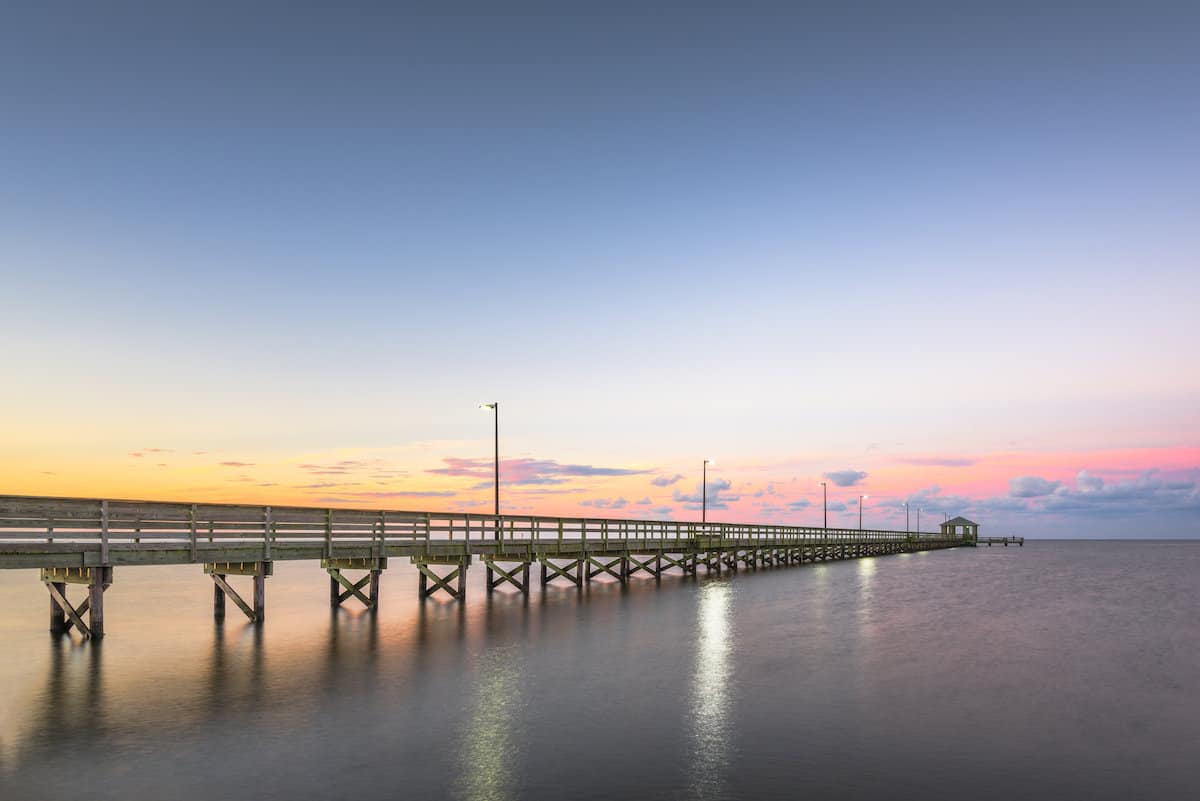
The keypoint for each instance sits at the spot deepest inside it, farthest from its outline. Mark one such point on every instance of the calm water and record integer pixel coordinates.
(1061, 670)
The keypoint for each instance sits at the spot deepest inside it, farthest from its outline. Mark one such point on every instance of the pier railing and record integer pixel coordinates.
(26, 519)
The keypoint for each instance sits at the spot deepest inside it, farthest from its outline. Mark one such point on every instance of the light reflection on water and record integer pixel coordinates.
(711, 681)
(490, 751)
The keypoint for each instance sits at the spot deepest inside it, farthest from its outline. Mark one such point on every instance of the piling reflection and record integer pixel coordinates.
(710, 702)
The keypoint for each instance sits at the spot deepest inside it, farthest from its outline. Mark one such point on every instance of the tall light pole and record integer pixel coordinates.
(861, 498)
(918, 521)
(825, 502)
(704, 491)
(906, 517)
(495, 407)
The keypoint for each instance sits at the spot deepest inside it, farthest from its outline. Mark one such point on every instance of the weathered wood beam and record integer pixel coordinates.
(68, 609)
(219, 580)
(442, 582)
(575, 565)
(351, 589)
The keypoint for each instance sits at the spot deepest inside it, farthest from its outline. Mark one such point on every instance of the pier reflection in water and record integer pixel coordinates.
(743, 686)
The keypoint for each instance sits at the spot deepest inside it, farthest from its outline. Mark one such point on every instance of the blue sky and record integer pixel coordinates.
(783, 233)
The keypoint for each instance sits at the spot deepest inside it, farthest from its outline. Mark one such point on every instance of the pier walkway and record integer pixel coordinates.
(82, 540)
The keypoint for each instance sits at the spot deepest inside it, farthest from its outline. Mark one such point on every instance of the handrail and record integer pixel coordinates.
(111, 521)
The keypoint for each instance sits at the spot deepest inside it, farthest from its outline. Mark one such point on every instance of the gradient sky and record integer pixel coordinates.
(944, 252)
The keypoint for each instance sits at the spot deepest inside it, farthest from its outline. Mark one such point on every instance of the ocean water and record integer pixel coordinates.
(1059, 670)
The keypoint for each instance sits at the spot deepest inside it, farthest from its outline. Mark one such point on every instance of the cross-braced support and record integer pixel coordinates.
(572, 571)
(341, 589)
(651, 564)
(686, 563)
(453, 583)
(63, 614)
(258, 573)
(617, 568)
(507, 576)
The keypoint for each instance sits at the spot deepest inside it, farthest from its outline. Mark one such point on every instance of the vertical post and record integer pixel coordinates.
(374, 588)
(103, 533)
(462, 579)
(423, 585)
(496, 451)
(218, 599)
(191, 519)
(704, 494)
(328, 533)
(260, 593)
(100, 577)
(825, 502)
(58, 615)
(267, 526)
(335, 592)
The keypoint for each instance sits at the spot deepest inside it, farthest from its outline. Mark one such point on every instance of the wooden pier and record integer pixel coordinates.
(82, 541)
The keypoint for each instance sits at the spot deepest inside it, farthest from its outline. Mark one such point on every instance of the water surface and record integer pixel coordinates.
(1063, 669)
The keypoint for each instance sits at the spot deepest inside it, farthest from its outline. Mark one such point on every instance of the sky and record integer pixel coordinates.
(935, 253)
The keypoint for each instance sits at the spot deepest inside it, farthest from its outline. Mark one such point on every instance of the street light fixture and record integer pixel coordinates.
(905, 516)
(861, 498)
(495, 408)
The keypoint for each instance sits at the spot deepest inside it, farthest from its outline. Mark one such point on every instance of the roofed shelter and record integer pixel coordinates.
(961, 527)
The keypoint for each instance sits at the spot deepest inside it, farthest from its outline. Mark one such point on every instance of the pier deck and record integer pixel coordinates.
(81, 541)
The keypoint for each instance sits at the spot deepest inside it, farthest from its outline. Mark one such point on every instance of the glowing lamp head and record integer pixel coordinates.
(488, 406)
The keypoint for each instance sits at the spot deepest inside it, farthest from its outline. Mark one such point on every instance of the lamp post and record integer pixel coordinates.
(861, 498)
(905, 517)
(495, 407)
(825, 503)
(704, 490)
(918, 521)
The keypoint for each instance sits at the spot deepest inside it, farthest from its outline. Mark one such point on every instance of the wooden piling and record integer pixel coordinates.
(260, 597)
(58, 615)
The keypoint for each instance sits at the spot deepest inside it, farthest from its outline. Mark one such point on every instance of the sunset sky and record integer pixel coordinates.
(934, 252)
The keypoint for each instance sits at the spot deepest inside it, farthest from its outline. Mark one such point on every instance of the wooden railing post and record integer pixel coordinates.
(104, 532)
(267, 526)
(192, 520)
(328, 533)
